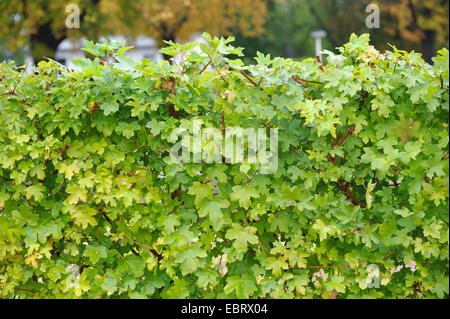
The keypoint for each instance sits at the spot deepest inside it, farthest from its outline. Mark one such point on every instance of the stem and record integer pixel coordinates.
(299, 81)
(347, 133)
(248, 78)
(217, 69)
(204, 68)
(64, 149)
(27, 290)
(295, 151)
(393, 253)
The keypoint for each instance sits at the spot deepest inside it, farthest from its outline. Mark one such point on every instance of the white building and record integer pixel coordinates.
(144, 48)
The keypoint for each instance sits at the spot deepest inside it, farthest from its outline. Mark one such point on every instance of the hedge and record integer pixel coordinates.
(92, 204)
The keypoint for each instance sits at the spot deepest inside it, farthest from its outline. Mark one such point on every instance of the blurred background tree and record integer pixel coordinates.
(278, 27)
(172, 20)
(420, 25)
(41, 23)
(420, 21)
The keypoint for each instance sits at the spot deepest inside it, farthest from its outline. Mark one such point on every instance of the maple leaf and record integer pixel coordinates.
(244, 194)
(201, 191)
(242, 236)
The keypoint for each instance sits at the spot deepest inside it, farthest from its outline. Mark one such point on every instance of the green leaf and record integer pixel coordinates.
(276, 265)
(201, 191)
(242, 236)
(243, 287)
(95, 253)
(244, 194)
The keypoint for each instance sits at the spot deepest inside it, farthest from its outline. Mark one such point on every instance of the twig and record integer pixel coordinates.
(426, 180)
(9, 92)
(223, 123)
(318, 267)
(28, 290)
(204, 68)
(259, 242)
(64, 149)
(389, 255)
(295, 151)
(347, 133)
(217, 69)
(396, 169)
(344, 187)
(335, 143)
(151, 251)
(248, 78)
(311, 81)
(352, 232)
(320, 66)
(359, 261)
(296, 79)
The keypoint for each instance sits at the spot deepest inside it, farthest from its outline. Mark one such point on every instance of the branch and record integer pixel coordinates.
(393, 253)
(27, 290)
(361, 260)
(295, 151)
(259, 242)
(64, 149)
(217, 69)
(204, 68)
(413, 13)
(347, 133)
(426, 180)
(320, 62)
(8, 93)
(223, 123)
(150, 250)
(335, 143)
(248, 78)
(318, 267)
(352, 232)
(299, 81)
(344, 187)
(396, 169)
(311, 81)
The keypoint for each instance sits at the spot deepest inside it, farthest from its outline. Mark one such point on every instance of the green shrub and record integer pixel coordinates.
(361, 185)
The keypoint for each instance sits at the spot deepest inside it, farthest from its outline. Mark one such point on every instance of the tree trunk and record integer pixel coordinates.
(169, 37)
(428, 45)
(44, 43)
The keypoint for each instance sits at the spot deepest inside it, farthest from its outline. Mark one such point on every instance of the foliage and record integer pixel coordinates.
(411, 24)
(42, 24)
(362, 176)
(287, 32)
(44, 20)
(179, 19)
(415, 18)
(290, 23)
